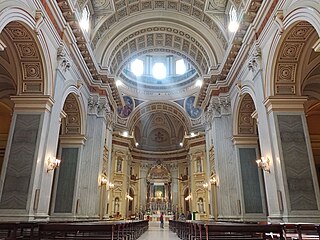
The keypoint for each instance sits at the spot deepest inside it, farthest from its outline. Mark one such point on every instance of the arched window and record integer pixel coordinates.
(181, 67)
(159, 70)
(85, 19)
(137, 67)
(233, 20)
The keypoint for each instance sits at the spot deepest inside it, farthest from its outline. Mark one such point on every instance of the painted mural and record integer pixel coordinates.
(126, 110)
(191, 110)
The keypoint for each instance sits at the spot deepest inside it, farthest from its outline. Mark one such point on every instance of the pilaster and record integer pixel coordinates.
(225, 164)
(22, 193)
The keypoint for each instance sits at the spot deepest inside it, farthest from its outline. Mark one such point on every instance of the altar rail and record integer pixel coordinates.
(107, 230)
(206, 230)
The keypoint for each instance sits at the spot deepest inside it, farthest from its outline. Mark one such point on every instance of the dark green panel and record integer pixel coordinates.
(250, 181)
(66, 180)
(297, 164)
(21, 160)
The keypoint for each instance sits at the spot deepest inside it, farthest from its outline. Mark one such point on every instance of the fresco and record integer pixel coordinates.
(191, 110)
(125, 111)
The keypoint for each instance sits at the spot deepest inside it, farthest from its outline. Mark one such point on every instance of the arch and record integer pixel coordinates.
(298, 25)
(81, 104)
(72, 124)
(166, 107)
(293, 45)
(245, 124)
(30, 49)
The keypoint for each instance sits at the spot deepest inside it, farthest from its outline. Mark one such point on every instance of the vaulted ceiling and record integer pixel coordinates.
(194, 30)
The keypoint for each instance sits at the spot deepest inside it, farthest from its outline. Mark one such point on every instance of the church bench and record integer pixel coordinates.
(242, 231)
(79, 231)
(8, 230)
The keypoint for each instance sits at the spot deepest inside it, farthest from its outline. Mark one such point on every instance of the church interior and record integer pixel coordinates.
(126, 109)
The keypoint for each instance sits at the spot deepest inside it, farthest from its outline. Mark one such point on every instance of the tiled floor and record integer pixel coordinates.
(157, 233)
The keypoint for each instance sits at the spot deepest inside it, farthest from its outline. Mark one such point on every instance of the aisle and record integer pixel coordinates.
(156, 233)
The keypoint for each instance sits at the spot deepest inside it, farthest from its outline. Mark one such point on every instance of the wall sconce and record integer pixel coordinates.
(188, 197)
(53, 163)
(205, 185)
(213, 180)
(111, 185)
(129, 197)
(264, 164)
(103, 180)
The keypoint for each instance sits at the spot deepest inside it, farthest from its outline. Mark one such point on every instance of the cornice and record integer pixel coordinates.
(98, 79)
(224, 77)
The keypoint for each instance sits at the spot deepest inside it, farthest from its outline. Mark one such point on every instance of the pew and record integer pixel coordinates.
(78, 231)
(243, 231)
(205, 230)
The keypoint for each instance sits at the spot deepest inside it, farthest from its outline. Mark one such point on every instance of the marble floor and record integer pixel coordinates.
(156, 233)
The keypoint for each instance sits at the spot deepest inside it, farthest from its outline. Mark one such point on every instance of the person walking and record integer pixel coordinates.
(161, 220)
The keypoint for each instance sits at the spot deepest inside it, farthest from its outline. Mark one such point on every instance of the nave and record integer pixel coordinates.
(156, 233)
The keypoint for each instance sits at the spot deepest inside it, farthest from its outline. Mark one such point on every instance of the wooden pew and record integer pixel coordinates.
(8, 230)
(205, 230)
(82, 231)
(242, 231)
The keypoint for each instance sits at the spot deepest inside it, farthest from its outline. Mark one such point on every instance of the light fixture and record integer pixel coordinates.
(85, 19)
(137, 144)
(111, 185)
(125, 134)
(104, 180)
(129, 197)
(205, 185)
(213, 180)
(192, 134)
(53, 163)
(188, 197)
(264, 163)
(181, 144)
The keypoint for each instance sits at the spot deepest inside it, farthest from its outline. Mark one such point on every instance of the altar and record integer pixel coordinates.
(156, 217)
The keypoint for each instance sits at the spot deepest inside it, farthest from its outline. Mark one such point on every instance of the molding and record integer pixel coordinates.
(245, 140)
(73, 139)
(316, 46)
(285, 103)
(32, 103)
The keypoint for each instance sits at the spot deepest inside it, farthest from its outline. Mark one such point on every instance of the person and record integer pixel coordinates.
(161, 220)
(182, 217)
(189, 216)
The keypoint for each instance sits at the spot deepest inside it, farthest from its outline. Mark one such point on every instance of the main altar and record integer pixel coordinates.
(159, 199)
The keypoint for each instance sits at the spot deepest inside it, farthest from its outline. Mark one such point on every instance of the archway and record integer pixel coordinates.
(65, 202)
(296, 68)
(253, 200)
(22, 88)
